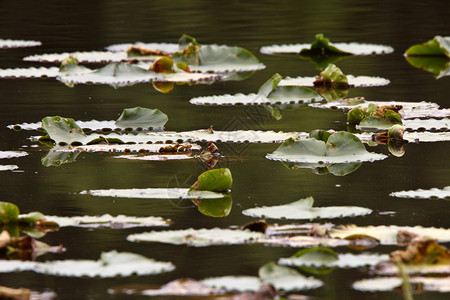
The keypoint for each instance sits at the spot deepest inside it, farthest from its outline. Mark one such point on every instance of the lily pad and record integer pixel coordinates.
(110, 264)
(106, 220)
(12, 154)
(8, 167)
(198, 237)
(427, 124)
(438, 46)
(154, 193)
(315, 258)
(32, 72)
(322, 46)
(63, 130)
(7, 43)
(216, 208)
(355, 81)
(303, 209)
(341, 147)
(286, 279)
(443, 193)
(383, 284)
(216, 180)
(167, 47)
(82, 57)
(269, 93)
(142, 117)
(234, 283)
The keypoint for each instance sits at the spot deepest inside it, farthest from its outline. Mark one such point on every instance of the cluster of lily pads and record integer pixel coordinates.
(139, 134)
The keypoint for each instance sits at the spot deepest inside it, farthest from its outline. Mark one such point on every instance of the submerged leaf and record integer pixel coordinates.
(439, 46)
(302, 209)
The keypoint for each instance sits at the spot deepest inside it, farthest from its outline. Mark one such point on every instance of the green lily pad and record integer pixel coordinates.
(63, 130)
(332, 75)
(198, 237)
(341, 147)
(438, 46)
(437, 65)
(7, 43)
(303, 210)
(286, 279)
(142, 117)
(9, 213)
(216, 180)
(322, 46)
(443, 193)
(110, 264)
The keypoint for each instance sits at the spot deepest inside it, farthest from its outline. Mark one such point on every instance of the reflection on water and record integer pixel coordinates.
(63, 27)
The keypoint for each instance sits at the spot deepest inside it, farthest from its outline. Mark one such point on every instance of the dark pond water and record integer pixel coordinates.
(92, 25)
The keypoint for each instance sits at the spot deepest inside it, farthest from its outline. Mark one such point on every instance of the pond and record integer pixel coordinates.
(257, 181)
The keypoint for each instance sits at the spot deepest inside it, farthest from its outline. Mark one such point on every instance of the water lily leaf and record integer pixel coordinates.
(82, 57)
(7, 43)
(322, 257)
(9, 213)
(32, 218)
(12, 154)
(286, 279)
(332, 75)
(303, 209)
(166, 47)
(63, 130)
(356, 81)
(427, 124)
(341, 147)
(142, 117)
(437, 65)
(198, 237)
(58, 158)
(234, 283)
(8, 167)
(424, 194)
(157, 157)
(322, 46)
(154, 193)
(110, 264)
(426, 137)
(389, 235)
(32, 72)
(106, 220)
(382, 284)
(216, 180)
(439, 46)
(216, 208)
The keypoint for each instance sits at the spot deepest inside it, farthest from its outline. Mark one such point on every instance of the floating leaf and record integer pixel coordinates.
(313, 257)
(12, 154)
(423, 194)
(110, 264)
(341, 147)
(9, 213)
(63, 130)
(8, 167)
(332, 76)
(389, 235)
(32, 72)
(303, 209)
(198, 237)
(142, 117)
(269, 93)
(439, 66)
(322, 46)
(438, 46)
(166, 47)
(154, 193)
(383, 284)
(356, 81)
(82, 57)
(106, 220)
(427, 124)
(18, 43)
(216, 180)
(286, 279)
(234, 283)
